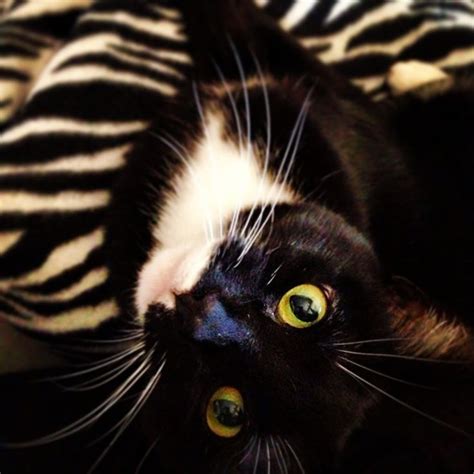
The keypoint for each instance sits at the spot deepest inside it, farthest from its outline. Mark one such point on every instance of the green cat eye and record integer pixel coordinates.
(225, 412)
(302, 306)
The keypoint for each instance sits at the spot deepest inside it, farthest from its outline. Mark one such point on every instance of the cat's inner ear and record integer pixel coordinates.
(425, 330)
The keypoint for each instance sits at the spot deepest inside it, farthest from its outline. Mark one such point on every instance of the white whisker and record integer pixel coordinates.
(390, 377)
(133, 412)
(404, 404)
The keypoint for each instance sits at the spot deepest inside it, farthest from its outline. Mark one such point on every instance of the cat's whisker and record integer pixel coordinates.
(390, 377)
(127, 420)
(248, 448)
(242, 75)
(278, 454)
(402, 357)
(254, 231)
(104, 379)
(267, 147)
(267, 451)
(97, 365)
(200, 110)
(92, 416)
(281, 455)
(257, 456)
(404, 404)
(274, 274)
(235, 214)
(369, 341)
(295, 456)
(146, 455)
(257, 229)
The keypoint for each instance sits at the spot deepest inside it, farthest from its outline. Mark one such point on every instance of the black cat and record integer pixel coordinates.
(258, 231)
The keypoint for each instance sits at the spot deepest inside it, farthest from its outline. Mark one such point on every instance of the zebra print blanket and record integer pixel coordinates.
(79, 80)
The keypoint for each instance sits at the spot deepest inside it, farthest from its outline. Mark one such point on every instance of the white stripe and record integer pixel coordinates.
(67, 201)
(85, 317)
(62, 258)
(170, 13)
(46, 126)
(297, 13)
(458, 58)
(262, 3)
(39, 8)
(103, 74)
(110, 159)
(9, 239)
(161, 28)
(91, 280)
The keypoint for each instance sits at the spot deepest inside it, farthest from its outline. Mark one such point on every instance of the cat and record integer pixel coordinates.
(257, 235)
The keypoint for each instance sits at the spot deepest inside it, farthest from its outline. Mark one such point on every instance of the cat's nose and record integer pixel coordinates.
(207, 320)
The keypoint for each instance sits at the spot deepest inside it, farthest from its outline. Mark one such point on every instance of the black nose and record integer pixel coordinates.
(207, 320)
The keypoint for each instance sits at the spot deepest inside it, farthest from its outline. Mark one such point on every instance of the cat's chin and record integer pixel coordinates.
(169, 272)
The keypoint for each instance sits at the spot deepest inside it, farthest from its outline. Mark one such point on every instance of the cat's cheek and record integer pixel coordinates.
(169, 272)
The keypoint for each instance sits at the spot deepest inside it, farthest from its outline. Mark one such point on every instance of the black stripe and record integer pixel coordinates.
(40, 149)
(119, 102)
(5, 103)
(314, 21)
(438, 44)
(7, 34)
(7, 309)
(351, 15)
(57, 25)
(8, 73)
(278, 8)
(386, 31)
(51, 183)
(364, 65)
(29, 222)
(16, 50)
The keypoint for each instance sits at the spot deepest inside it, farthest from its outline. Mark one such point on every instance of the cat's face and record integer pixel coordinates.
(250, 378)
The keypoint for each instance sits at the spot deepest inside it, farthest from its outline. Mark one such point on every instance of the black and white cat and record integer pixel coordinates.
(257, 231)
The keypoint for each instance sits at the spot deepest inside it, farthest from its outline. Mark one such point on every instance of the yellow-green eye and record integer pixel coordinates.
(225, 412)
(302, 306)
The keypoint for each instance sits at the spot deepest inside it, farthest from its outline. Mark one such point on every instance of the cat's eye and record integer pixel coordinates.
(225, 412)
(302, 306)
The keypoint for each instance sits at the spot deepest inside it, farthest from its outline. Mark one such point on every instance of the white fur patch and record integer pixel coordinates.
(219, 179)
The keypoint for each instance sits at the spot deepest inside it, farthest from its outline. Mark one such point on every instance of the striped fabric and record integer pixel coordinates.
(79, 80)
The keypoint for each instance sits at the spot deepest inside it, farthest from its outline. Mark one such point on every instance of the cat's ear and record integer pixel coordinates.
(425, 330)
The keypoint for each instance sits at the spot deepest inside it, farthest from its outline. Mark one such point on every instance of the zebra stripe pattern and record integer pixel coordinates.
(61, 156)
(80, 80)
